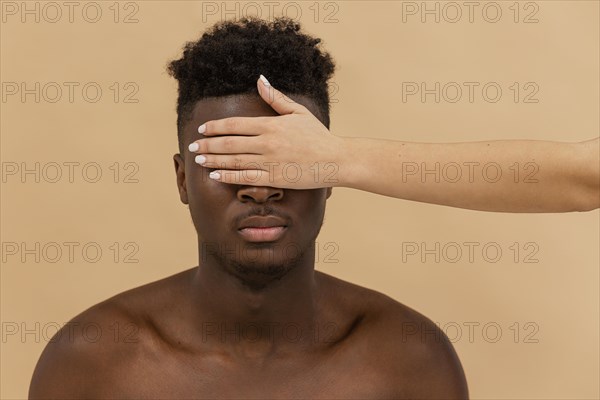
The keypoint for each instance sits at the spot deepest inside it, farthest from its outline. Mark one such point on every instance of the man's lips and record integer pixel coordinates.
(262, 229)
(263, 234)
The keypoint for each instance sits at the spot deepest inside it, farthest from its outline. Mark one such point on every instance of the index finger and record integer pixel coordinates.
(249, 126)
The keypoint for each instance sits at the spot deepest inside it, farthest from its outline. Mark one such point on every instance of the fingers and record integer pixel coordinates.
(253, 126)
(277, 100)
(221, 161)
(247, 177)
(226, 145)
(235, 126)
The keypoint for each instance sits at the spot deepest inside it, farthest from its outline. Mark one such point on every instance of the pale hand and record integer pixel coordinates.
(293, 150)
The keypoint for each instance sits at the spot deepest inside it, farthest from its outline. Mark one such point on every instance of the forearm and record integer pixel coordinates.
(505, 176)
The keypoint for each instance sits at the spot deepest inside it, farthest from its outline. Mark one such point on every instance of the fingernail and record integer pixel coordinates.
(193, 147)
(264, 80)
(202, 128)
(214, 175)
(200, 159)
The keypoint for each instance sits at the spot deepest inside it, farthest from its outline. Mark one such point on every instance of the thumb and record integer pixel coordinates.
(277, 100)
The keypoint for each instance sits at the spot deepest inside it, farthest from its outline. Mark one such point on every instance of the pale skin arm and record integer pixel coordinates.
(295, 151)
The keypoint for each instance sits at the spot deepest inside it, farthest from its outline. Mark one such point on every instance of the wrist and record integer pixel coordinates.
(350, 172)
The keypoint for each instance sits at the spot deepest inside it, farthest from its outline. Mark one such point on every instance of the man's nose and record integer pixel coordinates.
(259, 194)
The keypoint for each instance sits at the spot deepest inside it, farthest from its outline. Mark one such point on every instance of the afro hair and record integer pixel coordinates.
(230, 56)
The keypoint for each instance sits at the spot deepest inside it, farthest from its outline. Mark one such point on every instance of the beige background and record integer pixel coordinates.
(375, 52)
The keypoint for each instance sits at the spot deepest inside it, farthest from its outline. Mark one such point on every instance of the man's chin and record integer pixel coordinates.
(259, 275)
(263, 258)
(257, 265)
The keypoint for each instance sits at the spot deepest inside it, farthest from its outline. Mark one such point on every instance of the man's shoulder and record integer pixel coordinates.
(122, 318)
(375, 308)
(84, 348)
(416, 352)
(406, 346)
(101, 340)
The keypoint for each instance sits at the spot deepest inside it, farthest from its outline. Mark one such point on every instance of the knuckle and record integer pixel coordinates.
(203, 146)
(210, 126)
(227, 142)
(231, 177)
(270, 144)
(272, 126)
(231, 124)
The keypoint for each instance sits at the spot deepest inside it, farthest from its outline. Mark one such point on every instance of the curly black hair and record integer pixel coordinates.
(230, 56)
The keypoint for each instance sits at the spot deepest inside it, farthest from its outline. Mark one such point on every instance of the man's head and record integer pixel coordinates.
(230, 56)
(217, 79)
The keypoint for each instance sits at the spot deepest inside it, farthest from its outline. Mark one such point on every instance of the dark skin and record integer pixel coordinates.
(252, 321)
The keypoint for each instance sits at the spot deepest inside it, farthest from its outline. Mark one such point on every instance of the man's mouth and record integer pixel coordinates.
(269, 234)
(262, 229)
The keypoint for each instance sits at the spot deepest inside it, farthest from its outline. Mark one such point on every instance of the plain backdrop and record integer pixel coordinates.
(522, 311)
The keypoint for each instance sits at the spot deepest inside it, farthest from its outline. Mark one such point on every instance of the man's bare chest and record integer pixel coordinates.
(302, 377)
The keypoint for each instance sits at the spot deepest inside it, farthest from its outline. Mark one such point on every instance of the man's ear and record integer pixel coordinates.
(180, 172)
(328, 192)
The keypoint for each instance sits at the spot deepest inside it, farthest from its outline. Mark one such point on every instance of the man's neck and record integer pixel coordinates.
(282, 313)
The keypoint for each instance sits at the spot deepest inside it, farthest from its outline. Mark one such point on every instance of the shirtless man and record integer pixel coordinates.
(254, 319)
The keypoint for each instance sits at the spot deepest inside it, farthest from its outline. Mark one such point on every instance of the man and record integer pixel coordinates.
(254, 319)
